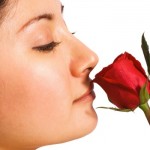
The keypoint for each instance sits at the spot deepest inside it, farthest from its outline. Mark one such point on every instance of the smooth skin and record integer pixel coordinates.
(39, 88)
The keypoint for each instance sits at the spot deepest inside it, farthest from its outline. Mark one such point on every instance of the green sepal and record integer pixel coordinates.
(144, 95)
(146, 53)
(116, 109)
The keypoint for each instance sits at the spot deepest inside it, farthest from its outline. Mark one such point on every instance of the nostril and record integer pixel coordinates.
(88, 70)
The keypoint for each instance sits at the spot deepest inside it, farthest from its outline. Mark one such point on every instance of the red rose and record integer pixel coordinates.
(122, 81)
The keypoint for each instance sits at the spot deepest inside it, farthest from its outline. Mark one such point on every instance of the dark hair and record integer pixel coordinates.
(3, 4)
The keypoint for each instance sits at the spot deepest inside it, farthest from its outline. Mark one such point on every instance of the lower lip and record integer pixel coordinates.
(87, 98)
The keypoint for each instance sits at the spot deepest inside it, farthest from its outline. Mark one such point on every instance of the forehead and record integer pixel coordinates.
(24, 10)
(25, 6)
(33, 7)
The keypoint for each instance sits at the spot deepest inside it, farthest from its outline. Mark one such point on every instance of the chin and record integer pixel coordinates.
(85, 126)
(81, 127)
(89, 125)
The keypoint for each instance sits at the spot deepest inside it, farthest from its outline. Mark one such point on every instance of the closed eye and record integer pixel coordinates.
(47, 47)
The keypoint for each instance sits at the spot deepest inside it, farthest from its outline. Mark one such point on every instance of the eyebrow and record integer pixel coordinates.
(47, 16)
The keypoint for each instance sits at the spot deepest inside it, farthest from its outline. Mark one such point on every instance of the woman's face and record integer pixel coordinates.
(44, 72)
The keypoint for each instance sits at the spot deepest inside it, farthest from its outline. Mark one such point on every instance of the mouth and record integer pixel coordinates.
(89, 95)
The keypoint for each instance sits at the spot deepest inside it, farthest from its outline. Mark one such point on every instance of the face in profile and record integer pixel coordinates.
(45, 91)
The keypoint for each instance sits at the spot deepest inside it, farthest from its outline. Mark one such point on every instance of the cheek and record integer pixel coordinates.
(38, 95)
(47, 92)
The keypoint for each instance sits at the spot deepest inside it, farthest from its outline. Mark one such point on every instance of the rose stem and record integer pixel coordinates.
(146, 109)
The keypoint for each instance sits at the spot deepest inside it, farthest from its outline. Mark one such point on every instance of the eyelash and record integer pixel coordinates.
(48, 47)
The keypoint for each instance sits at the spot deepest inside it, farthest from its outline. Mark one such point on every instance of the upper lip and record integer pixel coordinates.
(88, 91)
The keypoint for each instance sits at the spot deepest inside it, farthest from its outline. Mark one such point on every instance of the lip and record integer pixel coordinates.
(89, 95)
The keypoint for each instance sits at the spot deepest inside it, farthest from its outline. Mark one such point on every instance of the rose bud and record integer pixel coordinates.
(122, 81)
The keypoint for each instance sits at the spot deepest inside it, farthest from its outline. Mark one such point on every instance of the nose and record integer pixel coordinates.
(83, 60)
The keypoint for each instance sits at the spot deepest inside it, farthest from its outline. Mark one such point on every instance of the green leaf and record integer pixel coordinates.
(144, 95)
(146, 53)
(116, 109)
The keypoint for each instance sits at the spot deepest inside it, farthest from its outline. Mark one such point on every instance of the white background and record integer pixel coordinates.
(110, 27)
